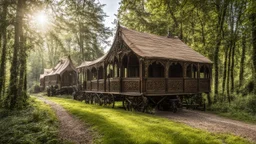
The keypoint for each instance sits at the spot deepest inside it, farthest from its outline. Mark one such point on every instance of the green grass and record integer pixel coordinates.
(34, 124)
(116, 126)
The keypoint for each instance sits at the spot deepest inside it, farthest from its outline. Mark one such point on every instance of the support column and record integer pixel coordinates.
(184, 75)
(166, 75)
(141, 61)
(104, 76)
(198, 76)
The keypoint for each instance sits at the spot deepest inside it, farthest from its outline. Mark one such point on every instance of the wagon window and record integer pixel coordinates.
(125, 66)
(94, 73)
(156, 70)
(191, 71)
(175, 70)
(204, 72)
(133, 70)
(115, 68)
(100, 73)
(67, 78)
(88, 75)
(109, 70)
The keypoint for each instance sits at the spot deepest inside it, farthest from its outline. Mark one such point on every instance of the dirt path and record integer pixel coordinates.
(71, 129)
(212, 123)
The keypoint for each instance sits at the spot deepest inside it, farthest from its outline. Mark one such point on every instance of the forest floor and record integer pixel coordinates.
(70, 128)
(212, 123)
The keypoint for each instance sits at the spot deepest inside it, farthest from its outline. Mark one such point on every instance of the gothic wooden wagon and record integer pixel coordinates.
(60, 79)
(146, 71)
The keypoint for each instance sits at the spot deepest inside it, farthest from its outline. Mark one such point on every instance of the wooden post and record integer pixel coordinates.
(166, 75)
(198, 76)
(97, 82)
(104, 77)
(120, 73)
(184, 75)
(141, 74)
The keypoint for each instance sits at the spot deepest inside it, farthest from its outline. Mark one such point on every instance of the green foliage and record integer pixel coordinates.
(119, 126)
(241, 108)
(36, 123)
(35, 88)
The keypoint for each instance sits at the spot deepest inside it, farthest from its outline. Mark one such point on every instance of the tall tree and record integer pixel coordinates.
(4, 48)
(11, 101)
(221, 8)
(253, 31)
(241, 74)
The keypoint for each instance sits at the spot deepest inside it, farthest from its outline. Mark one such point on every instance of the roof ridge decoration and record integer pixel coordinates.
(152, 46)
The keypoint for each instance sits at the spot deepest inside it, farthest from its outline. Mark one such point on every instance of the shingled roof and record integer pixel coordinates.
(63, 64)
(153, 46)
(46, 71)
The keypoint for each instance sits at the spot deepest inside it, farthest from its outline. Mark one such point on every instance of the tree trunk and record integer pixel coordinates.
(253, 23)
(241, 74)
(221, 17)
(225, 73)
(232, 66)
(13, 86)
(22, 60)
(228, 76)
(4, 43)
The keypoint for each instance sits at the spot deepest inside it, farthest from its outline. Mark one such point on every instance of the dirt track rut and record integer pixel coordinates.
(212, 123)
(70, 128)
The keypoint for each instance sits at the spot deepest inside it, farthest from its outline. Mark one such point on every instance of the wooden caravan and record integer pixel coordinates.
(42, 78)
(146, 68)
(62, 77)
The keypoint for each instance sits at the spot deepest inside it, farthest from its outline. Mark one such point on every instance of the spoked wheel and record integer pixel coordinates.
(140, 103)
(97, 99)
(79, 96)
(174, 107)
(108, 99)
(127, 104)
(87, 98)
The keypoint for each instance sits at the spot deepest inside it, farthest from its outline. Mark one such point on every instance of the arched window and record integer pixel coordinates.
(110, 70)
(204, 72)
(100, 72)
(125, 66)
(156, 70)
(94, 73)
(175, 70)
(115, 68)
(133, 66)
(130, 66)
(191, 71)
(88, 73)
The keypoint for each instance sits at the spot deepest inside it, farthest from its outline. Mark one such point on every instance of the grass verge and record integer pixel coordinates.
(119, 126)
(34, 124)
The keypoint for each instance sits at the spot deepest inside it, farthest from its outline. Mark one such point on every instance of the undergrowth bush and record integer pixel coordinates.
(36, 123)
(241, 107)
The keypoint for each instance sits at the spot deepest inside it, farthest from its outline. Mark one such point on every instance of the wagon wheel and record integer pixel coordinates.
(97, 100)
(127, 104)
(104, 100)
(174, 107)
(79, 97)
(87, 98)
(111, 100)
(137, 103)
(92, 98)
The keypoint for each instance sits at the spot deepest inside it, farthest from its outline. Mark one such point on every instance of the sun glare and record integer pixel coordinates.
(41, 18)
